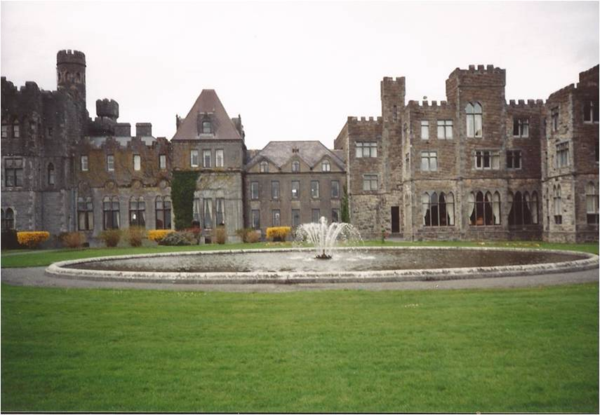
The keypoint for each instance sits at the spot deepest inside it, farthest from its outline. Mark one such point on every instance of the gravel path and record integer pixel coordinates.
(35, 277)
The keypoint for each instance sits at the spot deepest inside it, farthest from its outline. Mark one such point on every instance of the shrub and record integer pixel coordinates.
(73, 239)
(158, 235)
(248, 235)
(135, 235)
(253, 237)
(110, 237)
(32, 239)
(279, 233)
(9, 240)
(196, 231)
(179, 238)
(220, 235)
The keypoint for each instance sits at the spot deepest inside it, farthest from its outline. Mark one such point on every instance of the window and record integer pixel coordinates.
(295, 166)
(316, 215)
(255, 219)
(220, 212)
(4, 130)
(428, 160)
(13, 172)
(8, 219)
(513, 159)
(85, 214)
(562, 155)
(438, 210)
(591, 203)
(523, 209)
(162, 162)
(554, 115)
(83, 164)
(335, 215)
(275, 190)
(295, 189)
(163, 212)
(194, 161)
(295, 217)
(219, 158)
(16, 130)
(487, 160)
(206, 158)
(366, 149)
(137, 163)
(314, 189)
(276, 217)
(264, 167)
(474, 120)
(49, 133)
(444, 129)
(208, 214)
(335, 189)
(326, 166)
(110, 163)
(521, 127)
(51, 175)
(137, 212)
(484, 210)
(206, 127)
(110, 207)
(370, 182)
(590, 111)
(425, 130)
(557, 206)
(254, 190)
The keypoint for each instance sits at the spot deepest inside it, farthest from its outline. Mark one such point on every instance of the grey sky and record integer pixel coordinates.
(294, 71)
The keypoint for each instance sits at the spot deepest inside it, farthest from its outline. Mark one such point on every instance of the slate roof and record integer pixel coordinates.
(279, 153)
(208, 103)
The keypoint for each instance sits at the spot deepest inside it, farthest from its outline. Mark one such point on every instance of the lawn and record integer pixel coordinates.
(40, 258)
(524, 350)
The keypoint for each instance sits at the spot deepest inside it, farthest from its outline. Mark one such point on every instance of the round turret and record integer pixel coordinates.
(107, 108)
(70, 72)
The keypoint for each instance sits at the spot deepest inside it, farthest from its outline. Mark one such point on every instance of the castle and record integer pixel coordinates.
(473, 167)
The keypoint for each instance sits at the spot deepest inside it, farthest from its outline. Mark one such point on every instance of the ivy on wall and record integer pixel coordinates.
(183, 186)
(345, 208)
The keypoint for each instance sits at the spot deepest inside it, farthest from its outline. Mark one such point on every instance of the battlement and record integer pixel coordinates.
(70, 57)
(567, 89)
(531, 103)
(590, 76)
(398, 80)
(364, 121)
(143, 129)
(477, 75)
(483, 69)
(443, 105)
(107, 108)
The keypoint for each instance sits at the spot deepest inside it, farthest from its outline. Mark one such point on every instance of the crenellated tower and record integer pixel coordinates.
(70, 72)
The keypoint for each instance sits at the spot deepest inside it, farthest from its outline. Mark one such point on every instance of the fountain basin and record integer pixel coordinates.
(385, 264)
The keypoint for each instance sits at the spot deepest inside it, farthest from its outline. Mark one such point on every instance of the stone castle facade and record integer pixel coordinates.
(475, 166)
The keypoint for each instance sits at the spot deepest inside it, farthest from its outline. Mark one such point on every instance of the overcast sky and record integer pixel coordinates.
(293, 70)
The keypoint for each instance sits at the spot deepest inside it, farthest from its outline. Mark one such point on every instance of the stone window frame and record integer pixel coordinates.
(554, 121)
(297, 195)
(84, 163)
(317, 216)
(299, 217)
(315, 189)
(219, 158)
(335, 194)
(4, 130)
(162, 162)
(111, 212)
(220, 211)
(162, 210)
(85, 214)
(514, 159)
(443, 128)
(275, 190)
(207, 213)
(8, 221)
(16, 129)
(438, 209)
(110, 162)
(137, 162)
(14, 171)
(484, 208)
(429, 156)
(336, 215)
(590, 110)
(207, 158)
(255, 219)
(276, 217)
(51, 175)
(366, 149)
(370, 182)
(254, 190)
(591, 203)
(326, 166)
(521, 127)
(207, 126)
(137, 211)
(424, 129)
(264, 167)
(474, 120)
(563, 155)
(295, 166)
(557, 204)
(523, 208)
(479, 158)
(194, 158)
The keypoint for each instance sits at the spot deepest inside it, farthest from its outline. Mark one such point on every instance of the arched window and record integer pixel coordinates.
(557, 206)
(591, 203)
(264, 167)
(69, 76)
(484, 209)
(438, 210)
(111, 208)
(534, 208)
(520, 209)
(8, 219)
(137, 212)
(163, 212)
(77, 77)
(51, 176)
(85, 214)
(295, 166)
(496, 208)
(474, 120)
(326, 166)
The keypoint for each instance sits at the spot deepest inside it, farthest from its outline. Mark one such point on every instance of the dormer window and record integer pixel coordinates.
(295, 166)
(264, 167)
(326, 166)
(206, 127)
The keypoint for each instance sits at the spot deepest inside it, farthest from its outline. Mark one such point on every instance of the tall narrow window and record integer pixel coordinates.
(264, 167)
(557, 205)
(110, 163)
(254, 190)
(85, 214)
(110, 207)
(206, 159)
(425, 130)
(84, 163)
(295, 166)
(521, 127)
(513, 159)
(208, 213)
(562, 154)
(314, 189)
(275, 190)
(137, 162)
(326, 165)
(51, 175)
(534, 208)
(4, 130)
(206, 127)
(276, 217)
(591, 203)
(194, 161)
(162, 162)
(335, 189)
(13, 172)
(590, 111)
(163, 212)
(255, 217)
(444, 129)
(474, 120)
(428, 160)
(316, 215)
(295, 189)
(335, 215)
(137, 212)
(484, 209)
(8, 221)
(220, 212)
(554, 115)
(219, 158)
(295, 217)
(520, 209)
(16, 130)
(438, 210)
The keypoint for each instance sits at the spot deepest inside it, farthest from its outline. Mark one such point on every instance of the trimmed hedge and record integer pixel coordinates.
(32, 239)
(182, 196)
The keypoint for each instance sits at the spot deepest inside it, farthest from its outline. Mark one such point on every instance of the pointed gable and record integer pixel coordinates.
(207, 109)
(281, 152)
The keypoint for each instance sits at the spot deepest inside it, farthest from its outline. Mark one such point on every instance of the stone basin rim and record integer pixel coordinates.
(582, 261)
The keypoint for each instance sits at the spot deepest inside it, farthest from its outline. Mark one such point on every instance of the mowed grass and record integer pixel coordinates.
(41, 258)
(523, 350)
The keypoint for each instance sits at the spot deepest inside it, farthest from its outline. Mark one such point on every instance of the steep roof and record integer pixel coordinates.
(208, 103)
(279, 152)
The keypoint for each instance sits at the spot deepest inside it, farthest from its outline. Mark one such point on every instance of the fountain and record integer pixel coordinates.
(324, 237)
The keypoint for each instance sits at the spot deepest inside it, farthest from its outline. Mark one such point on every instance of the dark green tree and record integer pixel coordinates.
(345, 206)
(182, 195)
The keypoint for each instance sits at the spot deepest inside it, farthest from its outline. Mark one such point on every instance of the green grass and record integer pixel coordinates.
(41, 258)
(523, 350)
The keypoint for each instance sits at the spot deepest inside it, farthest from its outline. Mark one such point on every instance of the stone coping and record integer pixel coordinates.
(581, 261)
